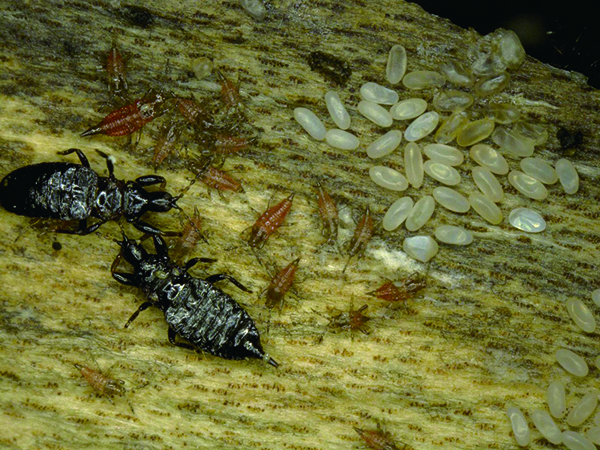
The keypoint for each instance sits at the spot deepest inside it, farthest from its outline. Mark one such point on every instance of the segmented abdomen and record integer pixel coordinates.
(51, 191)
(209, 319)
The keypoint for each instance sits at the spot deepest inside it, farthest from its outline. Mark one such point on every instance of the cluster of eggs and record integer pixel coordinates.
(575, 365)
(490, 57)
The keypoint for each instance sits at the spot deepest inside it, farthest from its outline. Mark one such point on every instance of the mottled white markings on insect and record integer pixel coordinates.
(450, 234)
(375, 93)
(342, 139)
(388, 178)
(422, 126)
(421, 213)
(442, 173)
(581, 315)
(337, 110)
(572, 362)
(557, 401)
(408, 109)
(422, 248)
(526, 220)
(375, 113)
(545, 425)
(413, 164)
(397, 213)
(519, 426)
(527, 185)
(385, 145)
(450, 199)
(396, 64)
(567, 175)
(310, 122)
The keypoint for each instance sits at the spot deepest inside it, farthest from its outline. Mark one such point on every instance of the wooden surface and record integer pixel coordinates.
(438, 373)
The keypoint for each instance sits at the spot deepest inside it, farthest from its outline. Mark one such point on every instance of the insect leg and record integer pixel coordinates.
(126, 278)
(142, 307)
(109, 163)
(145, 227)
(82, 157)
(223, 276)
(192, 262)
(149, 180)
(172, 335)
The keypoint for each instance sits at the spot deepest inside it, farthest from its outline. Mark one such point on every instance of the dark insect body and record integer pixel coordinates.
(68, 191)
(331, 67)
(362, 235)
(166, 142)
(268, 222)
(351, 320)
(329, 215)
(377, 440)
(220, 180)
(190, 235)
(194, 309)
(409, 286)
(115, 71)
(280, 284)
(101, 383)
(195, 114)
(130, 118)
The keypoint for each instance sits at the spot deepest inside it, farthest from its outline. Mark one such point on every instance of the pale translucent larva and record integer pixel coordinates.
(413, 164)
(452, 100)
(488, 184)
(202, 67)
(596, 296)
(375, 113)
(396, 64)
(445, 154)
(388, 178)
(255, 8)
(442, 173)
(408, 109)
(576, 441)
(421, 126)
(422, 248)
(376, 93)
(457, 73)
(423, 79)
(581, 315)
(527, 185)
(450, 199)
(572, 362)
(546, 425)
(450, 127)
(310, 122)
(519, 426)
(593, 434)
(420, 213)
(526, 220)
(488, 158)
(539, 169)
(512, 143)
(485, 208)
(536, 132)
(503, 113)
(397, 213)
(557, 399)
(342, 139)
(473, 132)
(450, 234)
(385, 145)
(583, 409)
(567, 176)
(492, 85)
(337, 110)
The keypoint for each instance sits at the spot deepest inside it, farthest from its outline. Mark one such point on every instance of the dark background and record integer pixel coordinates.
(563, 34)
